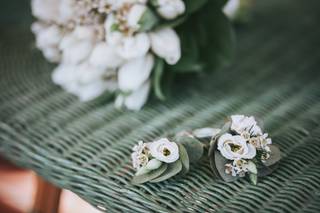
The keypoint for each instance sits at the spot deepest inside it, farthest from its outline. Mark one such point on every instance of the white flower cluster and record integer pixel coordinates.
(106, 45)
(150, 156)
(242, 144)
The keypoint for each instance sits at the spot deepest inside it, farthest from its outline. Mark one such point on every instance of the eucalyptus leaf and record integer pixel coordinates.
(172, 169)
(264, 171)
(193, 146)
(253, 178)
(139, 179)
(184, 159)
(157, 76)
(220, 163)
(224, 129)
(275, 156)
(211, 156)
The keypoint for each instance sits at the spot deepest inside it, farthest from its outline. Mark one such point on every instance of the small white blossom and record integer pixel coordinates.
(84, 80)
(240, 167)
(104, 56)
(135, 14)
(231, 8)
(135, 99)
(170, 9)
(140, 155)
(133, 46)
(134, 73)
(164, 150)
(235, 147)
(166, 44)
(241, 123)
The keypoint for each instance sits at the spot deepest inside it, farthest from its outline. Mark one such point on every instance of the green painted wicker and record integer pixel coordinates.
(86, 147)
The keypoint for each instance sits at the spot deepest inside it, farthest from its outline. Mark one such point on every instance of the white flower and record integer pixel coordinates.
(135, 72)
(235, 147)
(46, 10)
(135, 14)
(78, 45)
(164, 150)
(241, 123)
(59, 11)
(166, 44)
(85, 81)
(206, 132)
(135, 100)
(133, 46)
(261, 142)
(240, 167)
(231, 8)
(104, 56)
(52, 54)
(170, 9)
(67, 11)
(77, 53)
(140, 155)
(113, 37)
(48, 36)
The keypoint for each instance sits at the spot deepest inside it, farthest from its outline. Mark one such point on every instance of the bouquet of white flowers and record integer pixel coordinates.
(124, 46)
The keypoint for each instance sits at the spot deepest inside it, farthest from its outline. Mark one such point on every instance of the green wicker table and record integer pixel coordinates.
(86, 147)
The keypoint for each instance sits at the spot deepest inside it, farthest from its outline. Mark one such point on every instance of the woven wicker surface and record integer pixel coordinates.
(86, 147)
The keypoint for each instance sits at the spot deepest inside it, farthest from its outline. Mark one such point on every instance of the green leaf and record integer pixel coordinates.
(194, 5)
(193, 146)
(224, 129)
(264, 171)
(184, 159)
(148, 20)
(172, 169)
(214, 34)
(190, 61)
(172, 23)
(219, 164)
(139, 179)
(253, 178)
(157, 76)
(275, 156)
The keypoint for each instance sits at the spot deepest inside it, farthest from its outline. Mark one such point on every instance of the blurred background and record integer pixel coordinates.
(22, 190)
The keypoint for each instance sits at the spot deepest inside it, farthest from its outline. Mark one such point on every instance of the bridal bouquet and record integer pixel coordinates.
(126, 47)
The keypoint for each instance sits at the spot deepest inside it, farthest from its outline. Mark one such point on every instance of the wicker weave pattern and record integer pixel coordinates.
(86, 147)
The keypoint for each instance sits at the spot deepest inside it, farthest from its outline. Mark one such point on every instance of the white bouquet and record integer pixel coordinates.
(124, 46)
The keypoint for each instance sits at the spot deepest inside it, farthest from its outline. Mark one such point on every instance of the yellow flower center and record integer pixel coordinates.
(166, 152)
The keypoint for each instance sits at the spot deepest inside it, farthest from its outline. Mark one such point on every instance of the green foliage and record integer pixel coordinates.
(193, 147)
(184, 159)
(253, 178)
(157, 77)
(139, 179)
(172, 169)
(275, 156)
(194, 5)
(148, 20)
(219, 164)
(207, 39)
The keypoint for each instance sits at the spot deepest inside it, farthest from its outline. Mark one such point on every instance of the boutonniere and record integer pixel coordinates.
(242, 149)
(162, 159)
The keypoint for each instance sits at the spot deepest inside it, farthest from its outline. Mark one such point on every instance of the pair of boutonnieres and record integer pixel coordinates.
(239, 149)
